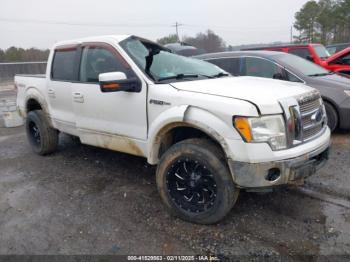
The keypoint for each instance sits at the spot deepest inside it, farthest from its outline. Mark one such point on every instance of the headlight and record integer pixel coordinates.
(347, 92)
(268, 129)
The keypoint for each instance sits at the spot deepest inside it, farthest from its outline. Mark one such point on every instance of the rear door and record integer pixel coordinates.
(59, 89)
(101, 117)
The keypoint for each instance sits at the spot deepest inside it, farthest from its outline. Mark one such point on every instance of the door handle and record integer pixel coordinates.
(51, 93)
(78, 97)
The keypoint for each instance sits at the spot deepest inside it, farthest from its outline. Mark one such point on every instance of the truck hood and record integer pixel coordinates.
(264, 93)
(335, 56)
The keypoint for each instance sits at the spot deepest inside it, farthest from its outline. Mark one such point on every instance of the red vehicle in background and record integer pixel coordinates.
(317, 53)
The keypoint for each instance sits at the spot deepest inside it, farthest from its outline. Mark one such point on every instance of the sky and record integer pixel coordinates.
(41, 23)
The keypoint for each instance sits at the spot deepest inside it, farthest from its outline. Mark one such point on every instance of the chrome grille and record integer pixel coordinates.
(307, 106)
(312, 131)
(312, 115)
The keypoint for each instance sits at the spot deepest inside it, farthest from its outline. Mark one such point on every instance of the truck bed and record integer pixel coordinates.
(29, 84)
(34, 75)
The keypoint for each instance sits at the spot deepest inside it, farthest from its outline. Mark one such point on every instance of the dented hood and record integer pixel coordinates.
(264, 93)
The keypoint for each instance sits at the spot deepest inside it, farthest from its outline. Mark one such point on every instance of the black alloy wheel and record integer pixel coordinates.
(34, 134)
(191, 185)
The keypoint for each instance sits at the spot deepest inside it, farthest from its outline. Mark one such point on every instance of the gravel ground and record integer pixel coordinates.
(86, 200)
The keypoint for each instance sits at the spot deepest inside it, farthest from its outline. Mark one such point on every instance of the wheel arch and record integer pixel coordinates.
(32, 104)
(34, 101)
(189, 123)
(334, 105)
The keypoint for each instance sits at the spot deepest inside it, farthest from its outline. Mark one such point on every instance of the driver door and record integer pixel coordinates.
(107, 119)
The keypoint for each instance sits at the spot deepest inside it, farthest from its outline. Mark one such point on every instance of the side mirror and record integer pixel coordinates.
(278, 76)
(117, 81)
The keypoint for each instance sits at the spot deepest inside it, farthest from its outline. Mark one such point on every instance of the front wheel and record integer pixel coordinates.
(195, 183)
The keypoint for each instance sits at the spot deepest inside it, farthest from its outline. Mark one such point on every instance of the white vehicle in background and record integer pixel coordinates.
(209, 133)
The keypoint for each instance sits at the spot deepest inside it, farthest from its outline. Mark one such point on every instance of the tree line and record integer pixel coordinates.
(15, 54)
(208, 41)
(324, 21)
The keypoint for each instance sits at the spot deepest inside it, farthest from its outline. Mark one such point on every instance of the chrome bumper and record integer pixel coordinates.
(269, 174)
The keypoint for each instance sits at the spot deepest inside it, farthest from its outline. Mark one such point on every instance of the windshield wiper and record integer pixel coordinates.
(322, 74)
(178, 77)
(183, 76)
(221, 74)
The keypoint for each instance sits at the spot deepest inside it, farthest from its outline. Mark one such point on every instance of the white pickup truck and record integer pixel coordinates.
(210, 134)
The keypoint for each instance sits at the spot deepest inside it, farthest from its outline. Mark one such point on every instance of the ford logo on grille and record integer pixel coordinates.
(317, 116)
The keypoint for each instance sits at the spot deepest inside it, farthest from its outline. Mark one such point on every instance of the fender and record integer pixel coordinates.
(213, 126)
(331, 101)
(187, 115)
(163, 123)
(33, 93)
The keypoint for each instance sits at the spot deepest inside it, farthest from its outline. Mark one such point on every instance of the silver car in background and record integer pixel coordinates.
(334, 88)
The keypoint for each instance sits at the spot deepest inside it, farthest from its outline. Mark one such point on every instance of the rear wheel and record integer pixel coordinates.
(332, 116)
(42, 138)
(195, 183)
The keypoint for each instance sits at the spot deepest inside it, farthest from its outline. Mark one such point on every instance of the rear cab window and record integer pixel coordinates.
(64, 63)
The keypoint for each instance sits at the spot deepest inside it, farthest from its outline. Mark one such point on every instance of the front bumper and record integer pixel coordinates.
(282, 172)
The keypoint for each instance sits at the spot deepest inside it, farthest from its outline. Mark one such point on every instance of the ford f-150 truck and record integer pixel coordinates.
(210, 134)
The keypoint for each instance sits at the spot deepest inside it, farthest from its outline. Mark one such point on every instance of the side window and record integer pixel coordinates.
(63, 65)
(98, 60)
(262, 68)
(332, 50)
(302, 52)
(230, 65)
(291, 77)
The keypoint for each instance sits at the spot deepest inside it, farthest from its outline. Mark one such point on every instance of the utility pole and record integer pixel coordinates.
(291, 34)
(177, 25)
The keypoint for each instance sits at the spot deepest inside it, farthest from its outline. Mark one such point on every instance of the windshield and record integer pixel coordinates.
(304, 66)
(321, 51)
(163, 65)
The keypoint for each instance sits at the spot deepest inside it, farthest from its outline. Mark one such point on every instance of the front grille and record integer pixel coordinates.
(309, 105)
(312, 115)
(312, 131)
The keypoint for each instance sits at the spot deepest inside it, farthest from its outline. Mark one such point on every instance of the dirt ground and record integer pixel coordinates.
(86, 200)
